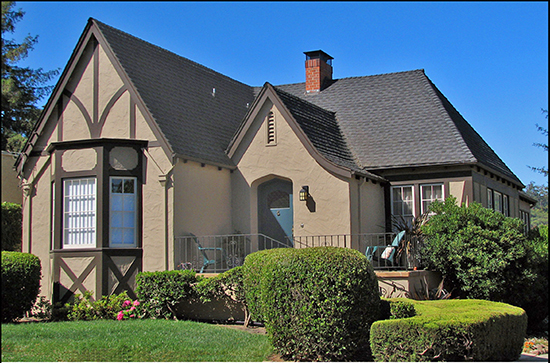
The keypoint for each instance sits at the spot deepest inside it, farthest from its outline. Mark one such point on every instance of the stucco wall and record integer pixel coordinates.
(203, 199)
(10, 183)
(288, 160)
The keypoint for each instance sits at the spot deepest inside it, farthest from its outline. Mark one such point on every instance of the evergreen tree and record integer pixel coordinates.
(22, 87)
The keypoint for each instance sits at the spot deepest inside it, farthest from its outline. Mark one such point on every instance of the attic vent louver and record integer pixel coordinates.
(271, 128)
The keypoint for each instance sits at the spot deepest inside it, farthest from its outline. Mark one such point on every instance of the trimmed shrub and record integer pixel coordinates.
(161, 291)
(228, 284)
(21, 274)
(317, 303)
(402, 310)
(451, 330)
(11, 227)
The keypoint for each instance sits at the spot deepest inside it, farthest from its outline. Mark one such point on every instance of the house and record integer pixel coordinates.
(137, 147)
(11, 192)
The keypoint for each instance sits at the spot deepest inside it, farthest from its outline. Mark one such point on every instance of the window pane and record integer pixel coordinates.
(129, 203)
(426, 192)
(116, 185)
(116, 235)
(129, 220)
(129, 186)
(128, 236)
(116, 219)
(438, 192)
(407, 193)
(116, 202)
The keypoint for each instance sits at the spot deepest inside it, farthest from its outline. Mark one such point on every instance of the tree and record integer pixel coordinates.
(22, 87)
(539, 213)
(544, 131)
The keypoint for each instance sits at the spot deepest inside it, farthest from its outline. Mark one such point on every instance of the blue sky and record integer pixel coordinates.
(490, 59)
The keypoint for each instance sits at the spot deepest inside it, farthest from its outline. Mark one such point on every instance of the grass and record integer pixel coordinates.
(131, 341)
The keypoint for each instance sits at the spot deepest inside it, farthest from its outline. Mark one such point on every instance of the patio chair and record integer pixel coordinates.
(388, 255)
(206, 260)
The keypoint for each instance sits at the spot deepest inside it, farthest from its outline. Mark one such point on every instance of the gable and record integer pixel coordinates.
(93, 99)
(315, 129)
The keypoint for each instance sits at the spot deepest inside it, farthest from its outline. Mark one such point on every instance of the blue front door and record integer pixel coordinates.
(275, 210)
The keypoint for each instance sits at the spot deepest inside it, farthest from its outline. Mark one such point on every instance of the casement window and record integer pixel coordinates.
(403, 201)
(79, 213)
(429, 193)
(526, 218)
(490, 204)
(497, 200)
(123, 216)
(505, 205)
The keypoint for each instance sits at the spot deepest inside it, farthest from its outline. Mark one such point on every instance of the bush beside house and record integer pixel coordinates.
(484, 255)
(317, 303)
(21, 273)
(11, 226)
(449, 330)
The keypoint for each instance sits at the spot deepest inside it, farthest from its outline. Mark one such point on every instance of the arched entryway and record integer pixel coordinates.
(275, 210)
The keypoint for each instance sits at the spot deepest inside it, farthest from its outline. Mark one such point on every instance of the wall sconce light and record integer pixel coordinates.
(304, 193)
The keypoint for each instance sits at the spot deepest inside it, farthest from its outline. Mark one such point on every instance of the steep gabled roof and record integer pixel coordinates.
(197, 109)
(322, 129)
(401, 120)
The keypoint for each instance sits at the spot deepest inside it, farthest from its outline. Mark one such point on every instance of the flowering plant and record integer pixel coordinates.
(129, 310)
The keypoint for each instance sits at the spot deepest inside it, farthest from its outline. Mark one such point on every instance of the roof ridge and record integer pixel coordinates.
(303, 100)
(164, 50)
(356, 77)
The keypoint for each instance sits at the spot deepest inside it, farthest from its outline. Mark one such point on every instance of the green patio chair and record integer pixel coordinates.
(388, 255)
(207, 261)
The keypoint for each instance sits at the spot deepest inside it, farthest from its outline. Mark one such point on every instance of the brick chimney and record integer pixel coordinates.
(318, 70)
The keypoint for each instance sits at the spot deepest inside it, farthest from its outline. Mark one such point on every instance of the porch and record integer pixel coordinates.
(219, 253)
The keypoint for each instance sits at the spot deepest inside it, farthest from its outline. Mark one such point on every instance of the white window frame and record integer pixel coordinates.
(498, 200)
(403, 201)
(79, 213)
(122, 213)
(506, 205)
(431, 199)
(490, 202)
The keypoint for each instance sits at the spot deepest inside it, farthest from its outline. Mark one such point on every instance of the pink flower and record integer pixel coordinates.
(136, 303)
(132, 308)
(131, 316)
(120, 316)
(126, 303)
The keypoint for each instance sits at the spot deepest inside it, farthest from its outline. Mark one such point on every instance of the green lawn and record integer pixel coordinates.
(131, 341)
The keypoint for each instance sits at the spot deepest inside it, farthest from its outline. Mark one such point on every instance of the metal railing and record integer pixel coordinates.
(215, 254)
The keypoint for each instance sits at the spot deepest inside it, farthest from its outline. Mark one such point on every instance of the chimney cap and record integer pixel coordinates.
(314, 54)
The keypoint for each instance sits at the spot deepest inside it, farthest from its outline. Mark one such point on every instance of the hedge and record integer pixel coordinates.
(451, 330)
(161, 291)
(21, 274)
(316, 303)
(11, 227)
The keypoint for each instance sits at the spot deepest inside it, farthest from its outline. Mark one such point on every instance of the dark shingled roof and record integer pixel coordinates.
(179, 95)
(369, 123)
(399, 120)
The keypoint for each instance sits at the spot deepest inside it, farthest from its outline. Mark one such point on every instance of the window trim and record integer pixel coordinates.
(413, 199)
(64, 212)
(135, 211)
(431, 200)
